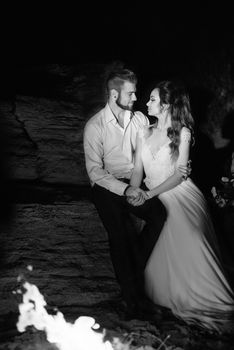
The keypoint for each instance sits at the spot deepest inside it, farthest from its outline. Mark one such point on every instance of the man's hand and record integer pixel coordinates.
(135, 196)
(132, 191)
(185, 170)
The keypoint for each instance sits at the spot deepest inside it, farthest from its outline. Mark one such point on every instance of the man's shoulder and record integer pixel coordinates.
(96, 118)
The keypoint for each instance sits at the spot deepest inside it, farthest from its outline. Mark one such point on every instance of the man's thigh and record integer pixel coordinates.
(103, 197)
(149, 210)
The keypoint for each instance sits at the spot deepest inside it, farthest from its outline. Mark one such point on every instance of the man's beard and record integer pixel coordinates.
(126, 108)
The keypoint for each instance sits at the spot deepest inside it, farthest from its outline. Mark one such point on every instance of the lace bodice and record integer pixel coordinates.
(158, 165)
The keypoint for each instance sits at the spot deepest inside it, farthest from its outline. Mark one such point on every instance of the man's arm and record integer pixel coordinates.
(93, 150)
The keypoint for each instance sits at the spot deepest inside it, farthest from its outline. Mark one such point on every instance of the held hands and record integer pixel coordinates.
(136, 196)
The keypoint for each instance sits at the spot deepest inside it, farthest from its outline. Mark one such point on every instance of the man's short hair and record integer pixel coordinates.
(117, 78)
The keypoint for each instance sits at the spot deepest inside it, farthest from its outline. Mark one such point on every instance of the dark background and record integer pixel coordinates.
(151, 37)
(157, 40)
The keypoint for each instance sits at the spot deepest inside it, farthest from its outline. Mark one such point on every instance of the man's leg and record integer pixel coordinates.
(154, 214)
(122, 239)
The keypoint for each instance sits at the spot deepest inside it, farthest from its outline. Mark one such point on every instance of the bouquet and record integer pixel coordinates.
(223, 194)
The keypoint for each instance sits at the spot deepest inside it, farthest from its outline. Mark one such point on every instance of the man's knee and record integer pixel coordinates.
(138, 223)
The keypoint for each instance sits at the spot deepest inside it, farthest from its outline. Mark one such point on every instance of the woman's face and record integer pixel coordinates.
(154, 107)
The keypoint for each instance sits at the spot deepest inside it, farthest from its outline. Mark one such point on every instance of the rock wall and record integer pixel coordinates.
(45, 140)
(43, 123)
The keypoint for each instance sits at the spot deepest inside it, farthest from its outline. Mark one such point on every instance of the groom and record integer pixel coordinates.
(109, 145)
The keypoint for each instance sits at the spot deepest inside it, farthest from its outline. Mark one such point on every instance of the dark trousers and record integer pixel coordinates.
(129, 251)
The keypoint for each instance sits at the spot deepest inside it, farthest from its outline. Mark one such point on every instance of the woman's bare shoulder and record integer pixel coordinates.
(185, 134)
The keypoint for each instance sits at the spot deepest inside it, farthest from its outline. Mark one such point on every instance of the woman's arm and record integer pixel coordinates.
(175, 179)
(137, 174)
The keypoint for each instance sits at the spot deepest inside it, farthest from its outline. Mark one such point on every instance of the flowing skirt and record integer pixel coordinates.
(184, 272)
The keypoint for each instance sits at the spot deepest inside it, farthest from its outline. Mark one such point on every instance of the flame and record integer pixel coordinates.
(67, 336)
(80, 335)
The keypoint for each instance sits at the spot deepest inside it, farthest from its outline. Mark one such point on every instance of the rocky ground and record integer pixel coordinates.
(58, 233)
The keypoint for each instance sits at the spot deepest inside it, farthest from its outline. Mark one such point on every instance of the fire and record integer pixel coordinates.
(81, 335)
(67, 336)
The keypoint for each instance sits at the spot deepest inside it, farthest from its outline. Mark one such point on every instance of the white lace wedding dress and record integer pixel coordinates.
(184, 272)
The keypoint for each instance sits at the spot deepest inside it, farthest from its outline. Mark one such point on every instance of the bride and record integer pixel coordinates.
(184, 272)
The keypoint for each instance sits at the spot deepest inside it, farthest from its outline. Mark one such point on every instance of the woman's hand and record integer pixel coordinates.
(185, 170)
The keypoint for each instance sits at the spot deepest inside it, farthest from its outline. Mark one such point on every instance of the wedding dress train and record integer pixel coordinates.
(184, 271)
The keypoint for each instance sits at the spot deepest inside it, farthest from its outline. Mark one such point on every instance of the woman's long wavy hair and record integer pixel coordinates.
(174, 95)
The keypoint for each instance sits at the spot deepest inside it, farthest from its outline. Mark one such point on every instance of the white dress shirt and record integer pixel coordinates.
(109, 148)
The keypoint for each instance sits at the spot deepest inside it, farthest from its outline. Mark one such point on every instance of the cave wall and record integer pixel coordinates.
(42, 124)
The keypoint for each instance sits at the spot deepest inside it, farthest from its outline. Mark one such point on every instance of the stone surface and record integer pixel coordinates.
(45, 140)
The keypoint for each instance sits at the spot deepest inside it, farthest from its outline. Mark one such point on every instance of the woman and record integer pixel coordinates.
(184, 272)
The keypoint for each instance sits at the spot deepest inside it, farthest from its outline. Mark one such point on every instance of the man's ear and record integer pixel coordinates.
(114, 94)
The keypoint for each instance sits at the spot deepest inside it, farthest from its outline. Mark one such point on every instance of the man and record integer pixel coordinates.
(109, 145)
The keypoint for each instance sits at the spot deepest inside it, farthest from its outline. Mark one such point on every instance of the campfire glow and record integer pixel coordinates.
(67, 336)
(81, 335)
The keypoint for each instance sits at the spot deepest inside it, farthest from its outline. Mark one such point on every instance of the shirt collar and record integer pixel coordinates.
(110, 116)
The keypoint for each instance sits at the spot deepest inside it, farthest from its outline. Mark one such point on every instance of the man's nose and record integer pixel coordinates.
(134, 98)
